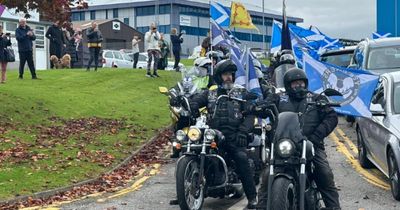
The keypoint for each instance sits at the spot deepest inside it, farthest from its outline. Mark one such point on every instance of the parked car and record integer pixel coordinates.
(142, 62)
(378, 55)
(339, 57)
(116, 59)
(378, 138)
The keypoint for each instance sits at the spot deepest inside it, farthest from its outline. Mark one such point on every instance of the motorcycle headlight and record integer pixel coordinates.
(194, 134)
(209, 134)
(285, 147)
(180, 135)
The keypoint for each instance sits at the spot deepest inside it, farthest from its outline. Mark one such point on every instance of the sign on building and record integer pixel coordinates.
(116, 25)
(184, 20)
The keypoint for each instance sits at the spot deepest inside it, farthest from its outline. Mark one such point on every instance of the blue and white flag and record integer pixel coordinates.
(325, 42)
(377, 35)
(220, 14)
(357, 86)
(220, 37)
(246, 76)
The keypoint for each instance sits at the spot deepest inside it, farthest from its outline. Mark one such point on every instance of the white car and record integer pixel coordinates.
(116, 59)
(143, 58)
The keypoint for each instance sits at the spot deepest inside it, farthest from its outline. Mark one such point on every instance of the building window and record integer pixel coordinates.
(256, 38)
(165, 9)
(106, 13)
(143, 29)
(115, 13)
(126, 21)
(92, 15)
(144, 11)
(10, 26)
(78, 16)
(194, 11)
(166, 29)
(242, 36)
(82, 15)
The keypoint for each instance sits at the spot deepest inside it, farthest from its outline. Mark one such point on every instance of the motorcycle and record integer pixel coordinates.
(204, 170)
(290, 180)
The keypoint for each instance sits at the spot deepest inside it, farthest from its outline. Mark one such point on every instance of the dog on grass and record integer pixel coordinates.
(64, 62)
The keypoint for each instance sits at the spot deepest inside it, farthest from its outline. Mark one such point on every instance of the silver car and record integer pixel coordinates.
(116, 59)
(378, 138)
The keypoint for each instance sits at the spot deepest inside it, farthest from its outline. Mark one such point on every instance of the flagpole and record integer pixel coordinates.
(263, 22)
(211, 40)
(247, 67)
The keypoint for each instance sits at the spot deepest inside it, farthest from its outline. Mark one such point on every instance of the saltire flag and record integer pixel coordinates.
(220, 14)
(240, 17)
(326, 42)
(246, 76)
(357, 86)
(2, 8)
(220, 37)
(286, 40)
(377, 35)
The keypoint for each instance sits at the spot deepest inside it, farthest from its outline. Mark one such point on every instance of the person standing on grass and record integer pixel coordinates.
(5, 41)
(153, 50)
(164, 47)
(94, 43)
(176, 41)
(25, 36)
(135, 50)
(54, 34)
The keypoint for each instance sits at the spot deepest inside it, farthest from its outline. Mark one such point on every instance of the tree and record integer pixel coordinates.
(49, 10)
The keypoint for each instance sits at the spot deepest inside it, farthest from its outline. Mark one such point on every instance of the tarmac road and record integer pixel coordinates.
(359, 188)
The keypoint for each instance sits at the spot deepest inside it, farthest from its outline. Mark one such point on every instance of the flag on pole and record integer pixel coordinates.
(357, 86)
(377, 35)
(246, 75)
(240, 17)
(220, 14)
(286, 40)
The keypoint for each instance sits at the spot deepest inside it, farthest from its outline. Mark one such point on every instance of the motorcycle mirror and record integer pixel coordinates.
(332, 92)
(163, 90)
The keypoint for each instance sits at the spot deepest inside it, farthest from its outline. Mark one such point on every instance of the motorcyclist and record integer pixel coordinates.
(227, 116)
(317, 123)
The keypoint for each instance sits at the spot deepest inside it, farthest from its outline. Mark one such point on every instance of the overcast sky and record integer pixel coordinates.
(353, 19)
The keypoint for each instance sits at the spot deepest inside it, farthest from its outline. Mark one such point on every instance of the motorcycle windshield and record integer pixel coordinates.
(288, 127)
(279, 73)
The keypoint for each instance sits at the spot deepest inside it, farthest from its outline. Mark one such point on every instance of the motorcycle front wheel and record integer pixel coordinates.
(283, 194)
(189, 190)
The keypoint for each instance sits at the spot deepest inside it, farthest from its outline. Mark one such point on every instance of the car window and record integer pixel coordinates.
(127, 57)
(142, 58)
(338, 60)
(396, 95)
(384, 58)
(118, 55)
(379, 94)
(108, 54)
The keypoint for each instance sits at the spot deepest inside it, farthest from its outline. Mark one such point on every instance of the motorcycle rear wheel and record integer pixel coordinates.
(283, 194)
(189, 191)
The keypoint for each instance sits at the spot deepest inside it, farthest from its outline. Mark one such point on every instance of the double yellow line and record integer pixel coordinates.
(349, 150)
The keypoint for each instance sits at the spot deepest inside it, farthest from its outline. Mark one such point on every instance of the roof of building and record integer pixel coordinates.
(254, 9)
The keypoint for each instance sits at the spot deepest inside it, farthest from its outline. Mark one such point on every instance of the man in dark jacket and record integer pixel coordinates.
(25, 36)
(228, 117)
(94, 43)
(55, 35)
(318, 123)
(176, 41)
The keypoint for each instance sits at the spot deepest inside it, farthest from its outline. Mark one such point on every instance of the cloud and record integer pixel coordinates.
(355, 19)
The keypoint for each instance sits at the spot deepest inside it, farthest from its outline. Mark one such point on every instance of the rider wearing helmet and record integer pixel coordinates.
(228, 117)
(318, 123)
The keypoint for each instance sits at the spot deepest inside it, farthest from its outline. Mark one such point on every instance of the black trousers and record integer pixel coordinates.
(177, 56)
(153, 54)
(26, 56)
(135, 59)
(94, 56)
(323, 178)
(246, 174)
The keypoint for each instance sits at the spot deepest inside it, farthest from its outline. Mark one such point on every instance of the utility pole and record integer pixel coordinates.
(157, 11)
(264, 26)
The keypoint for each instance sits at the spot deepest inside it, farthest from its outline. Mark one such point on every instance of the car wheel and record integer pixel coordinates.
(394, 175)
(362, 152)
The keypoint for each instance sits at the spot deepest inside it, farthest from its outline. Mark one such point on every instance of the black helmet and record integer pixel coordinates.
(287, 59)
(293, 75)
(222, 67)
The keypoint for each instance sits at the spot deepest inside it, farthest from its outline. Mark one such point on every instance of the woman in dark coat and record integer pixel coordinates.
(5, 41)
(55, 35)
(176, 41)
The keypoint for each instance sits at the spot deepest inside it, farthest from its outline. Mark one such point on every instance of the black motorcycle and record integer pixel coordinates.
(204, 170)
(290, 180)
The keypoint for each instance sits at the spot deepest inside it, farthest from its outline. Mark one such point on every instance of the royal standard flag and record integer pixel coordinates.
(240, 17)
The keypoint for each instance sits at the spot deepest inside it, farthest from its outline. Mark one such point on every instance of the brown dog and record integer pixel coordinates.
(64, 62)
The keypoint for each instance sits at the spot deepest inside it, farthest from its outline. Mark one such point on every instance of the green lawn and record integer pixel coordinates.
(73, 125)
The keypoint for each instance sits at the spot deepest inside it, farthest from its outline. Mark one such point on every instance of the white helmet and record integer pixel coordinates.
(202, 64)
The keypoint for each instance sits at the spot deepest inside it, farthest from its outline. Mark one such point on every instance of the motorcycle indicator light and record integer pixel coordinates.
(213, 145)
(210, 134)
(285, 147)
(180, 135)
(194, 134)
(178, 146)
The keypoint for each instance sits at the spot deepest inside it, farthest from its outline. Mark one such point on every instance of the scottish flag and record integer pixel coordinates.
(220, 14)
(357, 86)
(377, 35)
(246, 76)
(220, 37)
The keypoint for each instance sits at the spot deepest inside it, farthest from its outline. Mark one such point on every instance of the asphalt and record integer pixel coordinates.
(359, 189)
